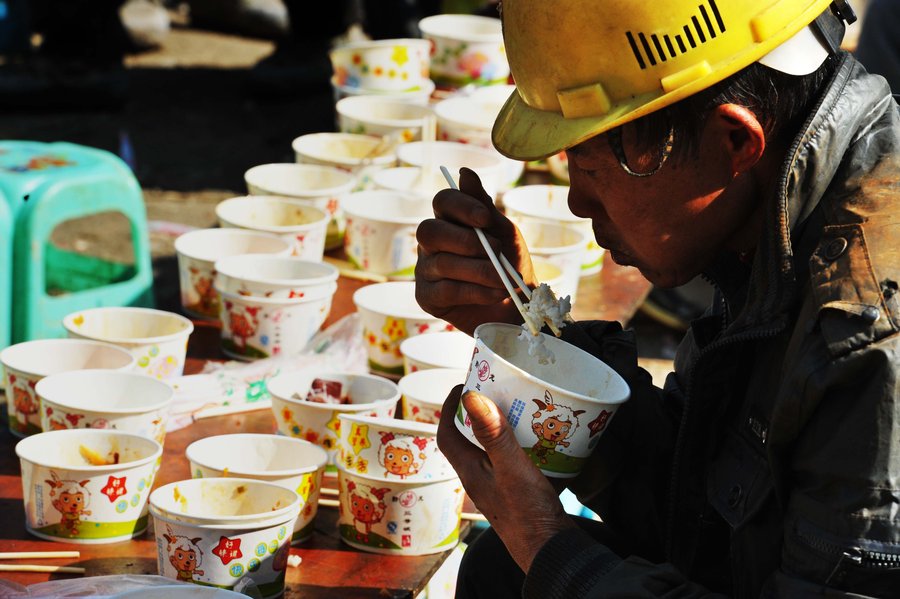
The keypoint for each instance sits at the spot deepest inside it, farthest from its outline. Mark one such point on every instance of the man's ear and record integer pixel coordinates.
(740, 133)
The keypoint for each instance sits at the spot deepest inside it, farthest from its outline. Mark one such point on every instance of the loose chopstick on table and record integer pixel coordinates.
(35, 568)
(526, 290)
(40, 555)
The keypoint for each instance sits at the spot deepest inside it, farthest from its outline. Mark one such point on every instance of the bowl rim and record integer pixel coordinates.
(415, 482)
(409, 380)
(401, 426)
(321, 460)
(360, 296)
(297, 144)
(273, 301)
(344, 106)
(41, 389)
(494, 156)
(552, 386)
(23, 445)
(425, 89)
(426, 26)
(352, 202)
(187, 325)
(308, 194)
(332, 274)
(221, 232)
(9, 363)
(237, 522)
(352, 407)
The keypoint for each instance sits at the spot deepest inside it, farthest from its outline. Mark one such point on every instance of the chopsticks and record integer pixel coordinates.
(40, 568)
(500, 270)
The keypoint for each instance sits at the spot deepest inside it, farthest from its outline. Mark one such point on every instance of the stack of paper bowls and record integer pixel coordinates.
(396, 68)
(398, 493)
(272, 305)
(467, 50)
(360, 155)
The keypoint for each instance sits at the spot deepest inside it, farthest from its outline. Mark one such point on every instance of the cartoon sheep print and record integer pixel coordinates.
(184, 555)
(553, 424)
(71, 499)
(367, 507)
(401, 455)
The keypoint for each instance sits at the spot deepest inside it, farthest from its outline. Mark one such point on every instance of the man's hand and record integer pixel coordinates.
(510, 491)
(454, 277)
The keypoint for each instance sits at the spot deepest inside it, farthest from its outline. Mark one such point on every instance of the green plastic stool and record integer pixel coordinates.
(45, 185)
(6, 269)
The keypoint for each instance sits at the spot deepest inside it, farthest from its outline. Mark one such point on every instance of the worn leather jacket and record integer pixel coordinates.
(770, 463)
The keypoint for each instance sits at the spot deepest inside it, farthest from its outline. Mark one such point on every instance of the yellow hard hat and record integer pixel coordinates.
(583, 67)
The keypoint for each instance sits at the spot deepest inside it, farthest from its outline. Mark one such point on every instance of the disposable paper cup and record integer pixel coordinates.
(486, 163)
(318, 422)
(468, 49)
(317, 186)
(260, 327)
(275, 277)
(126, 401)
(387, 65)
(67, 499)
(222, 531)
(291, 463)
(197, 253)
(24, 364)
(560, 245)
(391, 449)
(550, 204)
(451, 349)
(419, 95)
(424, 392)
(389, 314)
(381, 231)
(469, 120)
(349, 152)
(372, 115)
(399, 517)
(157, 339)
(558, 410)
(303, 226)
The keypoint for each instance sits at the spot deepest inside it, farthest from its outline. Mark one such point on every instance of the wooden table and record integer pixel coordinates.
(329, 567)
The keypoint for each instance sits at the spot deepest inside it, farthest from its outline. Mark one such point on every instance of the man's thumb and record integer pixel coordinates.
(488, 424)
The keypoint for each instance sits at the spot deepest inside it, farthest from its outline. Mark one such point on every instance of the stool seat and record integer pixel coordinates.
(44, 185)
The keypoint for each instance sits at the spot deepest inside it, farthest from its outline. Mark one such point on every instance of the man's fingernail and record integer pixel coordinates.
(477, 404)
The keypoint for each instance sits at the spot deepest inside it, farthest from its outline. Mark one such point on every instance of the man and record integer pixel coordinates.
(732, 140)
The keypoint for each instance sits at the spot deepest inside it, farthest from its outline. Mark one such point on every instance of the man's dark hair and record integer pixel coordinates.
(780, 101)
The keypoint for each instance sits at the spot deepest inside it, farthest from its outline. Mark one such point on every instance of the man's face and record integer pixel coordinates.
(670, 225)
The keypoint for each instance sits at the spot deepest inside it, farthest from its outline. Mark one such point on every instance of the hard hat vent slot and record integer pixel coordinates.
(653, 49)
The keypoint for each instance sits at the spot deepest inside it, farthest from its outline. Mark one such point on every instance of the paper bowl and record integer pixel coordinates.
(125, 401)
(408, 179)
(381, 231)
(486, 163)
(291, 463)
(157, 339)
(582, 390)
(423, 392)
(451, 349)
(469, 120)
(346, 151)
(550, 204)
(420, 96)
(389, 314)
(197, 253)
(260, 327)
(560, 245)
(69, 500)
(315, 185)
(466, 49)
(221, 531)
(396, 517)
(391, 449)
(318, 422)
(24, 364)
(373, 115)
(386, 65)
(275, 277)
(302, 226)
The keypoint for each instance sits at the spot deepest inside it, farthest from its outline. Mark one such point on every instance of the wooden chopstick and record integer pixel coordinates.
(36, 568)
(39, 554)
(473, 516)
(500, 269)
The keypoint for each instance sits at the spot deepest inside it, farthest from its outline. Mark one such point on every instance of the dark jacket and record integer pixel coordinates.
(770, 463)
